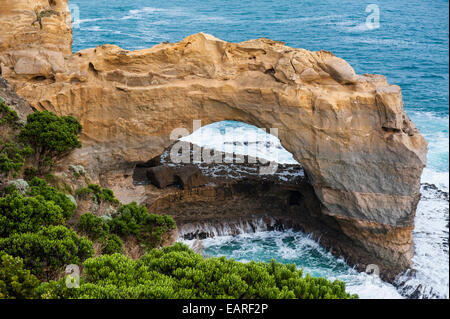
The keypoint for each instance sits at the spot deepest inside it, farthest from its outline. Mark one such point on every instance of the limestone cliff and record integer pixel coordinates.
(362, 154)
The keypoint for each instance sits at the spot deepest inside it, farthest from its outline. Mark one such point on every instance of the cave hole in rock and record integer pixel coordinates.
(221, 190)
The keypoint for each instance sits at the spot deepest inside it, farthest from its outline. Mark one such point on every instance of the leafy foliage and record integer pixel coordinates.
(29, 173)
(98, 194)
(40, 187)
(15, 281)
(19, 214)
(178, 272)
(50, 136)
(8, 115)
(93, 225)
(12, 156)
(135, 220)
(49, 249)
(111, 244)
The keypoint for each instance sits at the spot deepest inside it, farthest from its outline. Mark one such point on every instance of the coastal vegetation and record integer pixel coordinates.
(51, 137)
(178, 272)
(42, 230)
(98, 194)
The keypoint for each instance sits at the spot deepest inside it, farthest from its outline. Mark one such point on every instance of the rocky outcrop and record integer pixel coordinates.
(361, 153)
(14, 101)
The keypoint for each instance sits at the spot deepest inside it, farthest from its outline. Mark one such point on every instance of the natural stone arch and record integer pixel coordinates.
(362, 153)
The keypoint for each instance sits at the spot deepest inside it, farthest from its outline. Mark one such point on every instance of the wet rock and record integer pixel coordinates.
(189, 177)
(161, 176)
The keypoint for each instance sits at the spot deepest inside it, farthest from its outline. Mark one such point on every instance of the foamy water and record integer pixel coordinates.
(289, 247)
(428, 277)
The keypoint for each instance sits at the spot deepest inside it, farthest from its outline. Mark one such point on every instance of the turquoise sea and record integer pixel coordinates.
(410, 45)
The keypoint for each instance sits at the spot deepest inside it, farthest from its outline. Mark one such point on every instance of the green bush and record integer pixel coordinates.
(98, 194)
(19, 214)
(83, 192)
(130, 219)
(49, 249)
(111, 244)
(51, 136)
(93, 225)
(8, 115)
(29, 173)
(12, 156)
(135, 220)
(178, 272)
(108, 196)
(39, 187)
(15, 281)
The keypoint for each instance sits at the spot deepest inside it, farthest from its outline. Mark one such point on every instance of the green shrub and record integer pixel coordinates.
(98, 194)
(8, 115)
(108, 196)
(49, 249)
(12, 156)
(40, 187)
(154, 227)
(51, 136)
(19, 214)
(130, 219)
(83, 192)
(135, 220)
(15, 281)
(178, 272)
(93, 225)
(111, 244)
(29, 173)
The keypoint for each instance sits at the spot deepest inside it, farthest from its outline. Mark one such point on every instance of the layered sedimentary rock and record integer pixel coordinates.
(361, 153)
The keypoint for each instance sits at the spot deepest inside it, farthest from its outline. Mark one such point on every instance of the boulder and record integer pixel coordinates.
(189, 177)
(161, 176)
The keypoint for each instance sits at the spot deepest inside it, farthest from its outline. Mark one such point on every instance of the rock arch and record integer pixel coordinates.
(362, 153)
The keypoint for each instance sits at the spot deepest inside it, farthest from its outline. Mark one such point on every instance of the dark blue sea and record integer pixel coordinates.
(408, 41)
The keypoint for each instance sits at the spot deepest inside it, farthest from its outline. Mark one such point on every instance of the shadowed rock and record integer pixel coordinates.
(189, 176)
(161, 176)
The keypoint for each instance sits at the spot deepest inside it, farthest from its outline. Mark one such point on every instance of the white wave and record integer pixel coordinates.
(329, 19)
(430, 275)
(96, 28)
(440, 179)
(295, 247)
(362, 27)
(243, 139)
(176, 12)
(375, 41)
(81, 21)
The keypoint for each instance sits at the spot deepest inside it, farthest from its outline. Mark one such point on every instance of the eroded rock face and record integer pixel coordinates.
(13, 100)
(362, 154)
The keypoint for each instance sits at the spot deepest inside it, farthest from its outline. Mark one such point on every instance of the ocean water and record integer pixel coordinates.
(408, 43)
